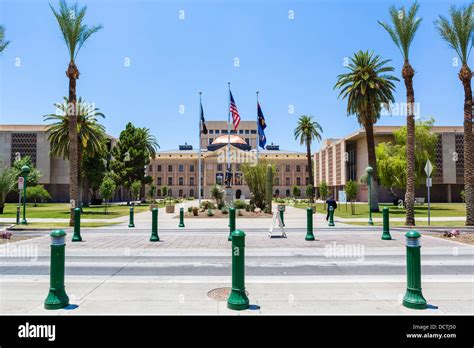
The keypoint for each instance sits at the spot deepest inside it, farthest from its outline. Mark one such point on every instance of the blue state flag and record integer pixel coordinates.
(261, 125)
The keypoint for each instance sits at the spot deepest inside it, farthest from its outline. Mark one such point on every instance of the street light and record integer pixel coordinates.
(369, 170)
(24, 171)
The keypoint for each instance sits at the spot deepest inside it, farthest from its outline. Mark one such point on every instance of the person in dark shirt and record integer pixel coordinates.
(330, 203)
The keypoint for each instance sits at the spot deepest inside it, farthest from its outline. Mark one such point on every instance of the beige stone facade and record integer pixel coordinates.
(178, 169)
(341, 160)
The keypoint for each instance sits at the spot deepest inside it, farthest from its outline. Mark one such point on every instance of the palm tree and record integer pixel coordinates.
(368, 88)
(91, 135)
(3, 42)
(7, 183)
(75, 34)
(306, 131)
(402, 31)
(458, 32)
(151, 142)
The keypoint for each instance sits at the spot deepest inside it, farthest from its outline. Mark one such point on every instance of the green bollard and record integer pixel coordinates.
(57, 297)
(281, 217)
(131, 223)
(181, 217)
(231, 222)
(238, 299)
(331, 216)
(18, 215)
(76, 237)
(413, 297)
(386, 224)
(309, 224)
(154, 226)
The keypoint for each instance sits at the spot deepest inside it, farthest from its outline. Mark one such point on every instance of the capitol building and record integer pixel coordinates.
(178, 169)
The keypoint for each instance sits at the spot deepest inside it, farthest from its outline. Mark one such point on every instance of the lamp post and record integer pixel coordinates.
(24, 172)
(369, 170)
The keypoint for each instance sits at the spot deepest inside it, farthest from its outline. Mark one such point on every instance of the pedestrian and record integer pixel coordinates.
(331, 202)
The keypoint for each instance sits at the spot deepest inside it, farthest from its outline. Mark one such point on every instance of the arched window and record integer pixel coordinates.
(191, 193)
(158, 192)
(287, 193)
(170, 193)
(180, 193)
(277, 192)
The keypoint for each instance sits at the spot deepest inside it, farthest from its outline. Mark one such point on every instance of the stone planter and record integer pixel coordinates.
(170, 209)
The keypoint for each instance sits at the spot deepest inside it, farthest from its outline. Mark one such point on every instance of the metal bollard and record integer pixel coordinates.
(281, 217)
(131, 223)
(57, 297)
(386, 224)
(181, 217)
(413, 297)
(231, 222)
(238, 299)
(331, 216)
(309, 224)
(76, 237)
(18, 215)
(154, 226)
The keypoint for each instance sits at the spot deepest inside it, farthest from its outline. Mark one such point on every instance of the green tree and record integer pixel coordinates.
(107, 190)
(351, 188)
(323, 191)
(135, 189)
(217, 193)
(92, 140)
(164, 191)
(3, 43)
(152, 192)
(296, 191)
(367, 87)
(458, 32)
(75, 33)
(309, 190)
(33, 176)
(94, 169)
(8, 179)
(255, 177)
(402, 31)
(132, 154)
(392, 157)
(306, 131)
(37, 193)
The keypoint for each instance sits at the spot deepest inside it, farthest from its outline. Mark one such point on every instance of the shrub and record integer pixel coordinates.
(239, 204)
(224, 210)
(190, 209)
(207, 204)
(37, 194)
(209, 212)
(247, 207)
(195, 211)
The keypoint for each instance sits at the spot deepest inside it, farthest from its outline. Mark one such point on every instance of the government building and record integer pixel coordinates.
(178, 169)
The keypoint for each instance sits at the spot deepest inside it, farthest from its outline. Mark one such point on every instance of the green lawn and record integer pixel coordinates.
(418, 223)
(61, 210)
(362, 210)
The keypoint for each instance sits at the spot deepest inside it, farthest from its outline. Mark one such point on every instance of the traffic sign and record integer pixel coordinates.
(428, 168)
(21, 182)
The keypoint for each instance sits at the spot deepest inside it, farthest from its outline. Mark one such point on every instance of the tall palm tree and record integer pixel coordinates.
(458, 32)
(368, 88)
(3, 42)
(402, 31)
(75, 33)
(91, 135)
(151, 142)
(306, 131)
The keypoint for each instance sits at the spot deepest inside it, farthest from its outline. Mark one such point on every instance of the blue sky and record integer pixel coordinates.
(292, 62)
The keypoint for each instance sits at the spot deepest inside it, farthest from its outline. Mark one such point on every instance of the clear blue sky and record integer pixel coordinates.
(291, 62)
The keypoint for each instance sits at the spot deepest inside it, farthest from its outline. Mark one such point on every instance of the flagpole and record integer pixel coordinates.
(199, 162)
(228, 139)
(258, 135)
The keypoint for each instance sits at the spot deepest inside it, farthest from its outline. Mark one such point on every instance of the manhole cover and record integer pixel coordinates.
(220, 294)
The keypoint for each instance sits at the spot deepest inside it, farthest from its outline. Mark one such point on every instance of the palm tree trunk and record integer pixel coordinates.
(369, 132)
(73, 74)
(310, 170)
(465, 75)
(408, 74)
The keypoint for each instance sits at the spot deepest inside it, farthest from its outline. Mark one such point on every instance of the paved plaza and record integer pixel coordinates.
(346, 270)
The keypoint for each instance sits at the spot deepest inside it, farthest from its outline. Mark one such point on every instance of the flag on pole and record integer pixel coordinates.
(262, 139)
(234, 112)
(203, 121)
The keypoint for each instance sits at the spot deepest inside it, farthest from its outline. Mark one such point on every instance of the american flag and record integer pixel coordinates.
(234, 111)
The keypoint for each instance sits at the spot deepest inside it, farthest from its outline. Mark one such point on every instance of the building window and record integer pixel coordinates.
(287, 168)
(170, 168)
(158, 192)
(224, 131)
(298, 168)
(241, 131)
(180, 181)
(170, 193)
(247, 131)
(277, 192)
(25, 144)
(277, 169)
(307, 181)
(298, 181)
(253, 131)
(277, 181)
(158, 181)
(180, 193)
(191, 168)
(191, 193)
(211, 131)
(219, 167)
(158, 168)
(170, 181)
(181, 168)
(287, 181)
(217, 131)
(219, 178)
(191, 181)
(287, 193)
(150, 168)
